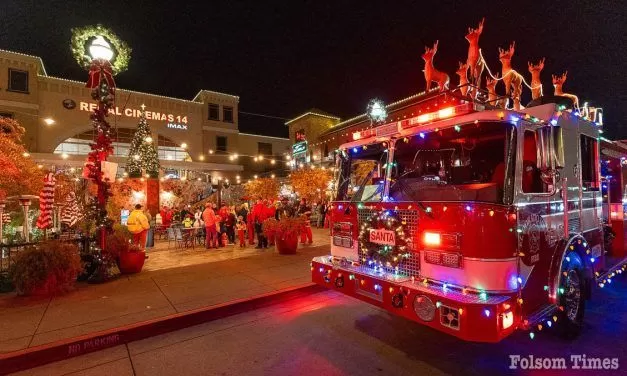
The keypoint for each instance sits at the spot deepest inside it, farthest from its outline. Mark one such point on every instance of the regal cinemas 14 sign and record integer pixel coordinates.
(382, 236)
(173, 121)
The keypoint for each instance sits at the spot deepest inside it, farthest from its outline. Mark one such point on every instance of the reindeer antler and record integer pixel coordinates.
(559, 79)
(480, 28)
(435, 46)
(538, 66)
(511, 47)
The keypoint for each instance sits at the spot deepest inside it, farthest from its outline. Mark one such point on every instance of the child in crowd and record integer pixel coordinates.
(241, 231)
(188, 221)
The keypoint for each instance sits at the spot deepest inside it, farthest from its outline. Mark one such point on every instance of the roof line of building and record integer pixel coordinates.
(45, 74)
(125, 90)
(311, 113)
(214, 92)
(41, 62)
(259, 135)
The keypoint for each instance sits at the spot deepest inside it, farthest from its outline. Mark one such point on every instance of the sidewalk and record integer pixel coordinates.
(201, 278)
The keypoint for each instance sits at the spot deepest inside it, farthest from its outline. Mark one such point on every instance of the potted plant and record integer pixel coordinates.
(46, 269)
(129, 257)
(132, 259)
(268, 227)
(286, 233)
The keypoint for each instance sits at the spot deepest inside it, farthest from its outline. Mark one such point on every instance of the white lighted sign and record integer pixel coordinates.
(136, 113)
(381, 236)
(176, 126)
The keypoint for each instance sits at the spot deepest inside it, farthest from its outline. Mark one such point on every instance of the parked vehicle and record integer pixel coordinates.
(473, 219)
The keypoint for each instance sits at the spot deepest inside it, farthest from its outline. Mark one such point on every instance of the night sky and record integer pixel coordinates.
(285, 57)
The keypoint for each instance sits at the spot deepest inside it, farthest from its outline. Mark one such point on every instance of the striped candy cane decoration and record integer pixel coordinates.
(46, 201)
(71, 212)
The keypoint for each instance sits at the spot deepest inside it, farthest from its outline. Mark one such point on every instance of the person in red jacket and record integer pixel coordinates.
(210, 219)
(258, 216)
(223, 215)
(304, 210)
(241, 231)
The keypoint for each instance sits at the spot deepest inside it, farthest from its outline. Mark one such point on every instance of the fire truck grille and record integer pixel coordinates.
(411, 266)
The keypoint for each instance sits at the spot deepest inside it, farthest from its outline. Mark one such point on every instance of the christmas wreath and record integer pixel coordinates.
(388, 246)
(82, 35)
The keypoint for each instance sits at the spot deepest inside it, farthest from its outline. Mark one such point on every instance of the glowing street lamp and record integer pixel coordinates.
(100, 49)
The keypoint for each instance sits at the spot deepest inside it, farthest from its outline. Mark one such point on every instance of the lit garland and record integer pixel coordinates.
(384, 255)
(82, 35)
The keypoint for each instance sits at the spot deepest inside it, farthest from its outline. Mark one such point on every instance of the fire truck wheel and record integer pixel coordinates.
(572, 297)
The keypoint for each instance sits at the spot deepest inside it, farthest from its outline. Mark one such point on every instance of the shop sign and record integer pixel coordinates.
(136, 113)
(69, 104)
(176, 126)
(300, 135)
(124, 214)
(300, 147)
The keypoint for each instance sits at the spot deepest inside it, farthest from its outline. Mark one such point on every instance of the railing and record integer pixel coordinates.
(8, 252)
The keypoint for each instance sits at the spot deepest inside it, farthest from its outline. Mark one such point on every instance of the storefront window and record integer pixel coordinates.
(79, 145)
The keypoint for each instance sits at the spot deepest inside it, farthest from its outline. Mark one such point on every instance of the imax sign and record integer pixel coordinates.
(182, 127)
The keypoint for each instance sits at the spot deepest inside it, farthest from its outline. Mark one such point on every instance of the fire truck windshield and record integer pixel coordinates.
(466, 163)
(361, 173)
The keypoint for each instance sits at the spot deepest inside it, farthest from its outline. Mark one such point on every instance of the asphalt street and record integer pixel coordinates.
(330, 334)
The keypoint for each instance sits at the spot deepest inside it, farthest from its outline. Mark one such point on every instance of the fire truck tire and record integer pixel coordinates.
(572, 296)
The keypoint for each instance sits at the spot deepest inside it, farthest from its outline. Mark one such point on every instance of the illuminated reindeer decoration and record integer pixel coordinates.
(474, 60)
(536, 84)
(432, 74)
(462, 72)
(511, 78)
(491, 86)
(558, 82)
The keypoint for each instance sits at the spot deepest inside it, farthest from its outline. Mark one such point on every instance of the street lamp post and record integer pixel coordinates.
(103, 54)
(103, 91)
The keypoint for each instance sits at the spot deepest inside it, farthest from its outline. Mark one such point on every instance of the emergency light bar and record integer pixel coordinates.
(391, 128)
(441, 114)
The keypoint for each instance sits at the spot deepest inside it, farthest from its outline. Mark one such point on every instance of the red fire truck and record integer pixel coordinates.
(472, 219)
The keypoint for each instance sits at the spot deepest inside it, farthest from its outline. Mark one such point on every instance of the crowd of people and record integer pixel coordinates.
(242, 223)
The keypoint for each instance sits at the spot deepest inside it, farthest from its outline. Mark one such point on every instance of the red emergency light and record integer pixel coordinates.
(441, 114)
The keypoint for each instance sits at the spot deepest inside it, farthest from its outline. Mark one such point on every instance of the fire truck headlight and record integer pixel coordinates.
(508, 319)
(424, 308)
(432, 239)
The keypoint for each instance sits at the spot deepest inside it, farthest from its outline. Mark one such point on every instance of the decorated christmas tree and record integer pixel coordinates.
(143, 158)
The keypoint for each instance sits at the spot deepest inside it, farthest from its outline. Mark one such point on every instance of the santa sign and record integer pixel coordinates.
(382, 236)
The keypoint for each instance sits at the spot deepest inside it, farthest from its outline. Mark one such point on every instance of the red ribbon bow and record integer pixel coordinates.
(98, 70)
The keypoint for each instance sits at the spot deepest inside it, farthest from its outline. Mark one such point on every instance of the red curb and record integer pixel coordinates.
(71, 347)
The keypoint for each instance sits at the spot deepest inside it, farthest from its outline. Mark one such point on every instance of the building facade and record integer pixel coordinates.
(316, 134)
(197, 138)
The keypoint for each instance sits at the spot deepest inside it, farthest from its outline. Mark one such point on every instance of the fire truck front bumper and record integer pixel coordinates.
(471, 316)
